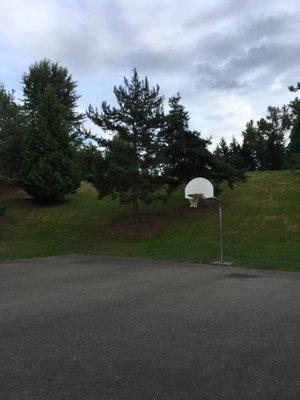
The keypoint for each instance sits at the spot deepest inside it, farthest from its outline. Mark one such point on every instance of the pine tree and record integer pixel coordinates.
(49, 166)
(185, 153)
(235, 154)
(294, 145)
(222, 151)
(295, 88)
(252, 147)
(131, 163)
(272, 130)
(11, 134)
(90, 160)
(226, 164)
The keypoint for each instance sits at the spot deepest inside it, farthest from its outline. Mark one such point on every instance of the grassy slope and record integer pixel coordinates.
(261, 226)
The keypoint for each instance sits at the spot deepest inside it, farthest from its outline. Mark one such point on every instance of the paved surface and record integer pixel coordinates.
(82, 327)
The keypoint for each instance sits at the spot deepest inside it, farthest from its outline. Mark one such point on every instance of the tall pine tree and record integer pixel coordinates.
(252, 147)
(222, 151)
(11, 134)
(185, 153)
(271, 131)
(131, 157)
(49, 166)
(235, 154)
(294, 145)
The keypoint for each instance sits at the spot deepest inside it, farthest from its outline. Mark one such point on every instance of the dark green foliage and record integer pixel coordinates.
(193, 157)
(49, 165)
(295, 88)
(184, 153)
(294, 145)
(264, 142)
(11, 133)
(90, 160)
(236, 157)
(222, 151)
(252, 147)
(131, 162)
(271, 132)
(228, 163)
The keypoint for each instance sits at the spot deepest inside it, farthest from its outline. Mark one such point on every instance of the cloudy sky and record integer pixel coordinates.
(230, 59)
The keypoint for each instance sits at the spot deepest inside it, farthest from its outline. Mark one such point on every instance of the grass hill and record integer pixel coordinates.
(261, 225)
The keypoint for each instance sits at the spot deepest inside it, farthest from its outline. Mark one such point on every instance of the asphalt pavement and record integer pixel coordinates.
(94, 327)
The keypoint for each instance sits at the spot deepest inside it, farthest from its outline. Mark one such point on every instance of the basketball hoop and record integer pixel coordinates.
(200, 189)
(194, 199)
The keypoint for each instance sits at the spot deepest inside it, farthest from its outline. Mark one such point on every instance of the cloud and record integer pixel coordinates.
(229, 59)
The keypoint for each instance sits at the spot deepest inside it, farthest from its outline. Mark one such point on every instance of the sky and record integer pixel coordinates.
(229, 59)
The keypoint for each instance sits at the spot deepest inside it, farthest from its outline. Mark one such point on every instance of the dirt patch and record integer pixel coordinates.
(202, 209)
(152, 224)
(11, 190)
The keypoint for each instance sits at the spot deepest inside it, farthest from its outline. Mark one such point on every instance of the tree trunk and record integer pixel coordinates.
(135, 211)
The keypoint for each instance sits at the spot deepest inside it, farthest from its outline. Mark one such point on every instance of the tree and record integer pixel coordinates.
(11, 132)
(235, 154)
(90, 160)
(294, 145)
(183, 152)
(131, 161)
(252, 147)
(264, 142)
(294, 88)
(271, 131)
(222, 151)
(226, 164)
(49, 167)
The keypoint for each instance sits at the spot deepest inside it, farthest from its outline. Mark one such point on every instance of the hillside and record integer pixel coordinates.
(261, 225)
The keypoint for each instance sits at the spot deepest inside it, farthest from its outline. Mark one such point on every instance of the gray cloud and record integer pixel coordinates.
(253, 51)
(229, 58)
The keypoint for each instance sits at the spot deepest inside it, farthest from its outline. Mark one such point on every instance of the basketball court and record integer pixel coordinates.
(93, 327)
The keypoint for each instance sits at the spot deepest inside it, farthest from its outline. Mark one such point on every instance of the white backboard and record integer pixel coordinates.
(199, 186)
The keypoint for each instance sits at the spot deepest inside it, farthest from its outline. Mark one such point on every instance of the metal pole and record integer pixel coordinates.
(221, 232)
(220, 228)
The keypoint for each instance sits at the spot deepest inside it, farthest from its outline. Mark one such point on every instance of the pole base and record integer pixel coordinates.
(225, 263)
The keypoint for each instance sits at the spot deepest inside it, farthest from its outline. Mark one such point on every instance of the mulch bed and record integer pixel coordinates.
(202, 209)
(152, 224)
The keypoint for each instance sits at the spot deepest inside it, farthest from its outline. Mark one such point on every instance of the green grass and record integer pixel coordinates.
(261, 226)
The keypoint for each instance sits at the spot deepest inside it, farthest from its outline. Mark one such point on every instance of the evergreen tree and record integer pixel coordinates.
(235, 154)
(252, 147)
(131, 163)
(264, 143)
(226, 163)
(272, 131)
(90, 160)
(295, 88)
(186, 155)
(49, 166)
(294, 145)
(184, 152)
(222, 151)
(11, 132)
